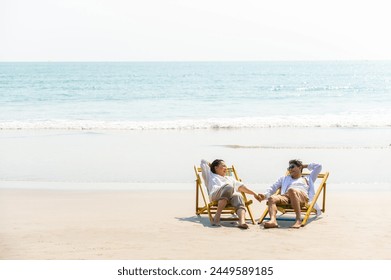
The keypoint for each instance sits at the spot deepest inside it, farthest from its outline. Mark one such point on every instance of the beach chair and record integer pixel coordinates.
(308, 209)
(204, 206)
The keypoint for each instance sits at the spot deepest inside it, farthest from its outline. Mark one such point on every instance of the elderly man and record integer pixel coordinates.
(296, 189)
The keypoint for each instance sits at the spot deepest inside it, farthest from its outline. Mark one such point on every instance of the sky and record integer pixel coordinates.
(194, 30)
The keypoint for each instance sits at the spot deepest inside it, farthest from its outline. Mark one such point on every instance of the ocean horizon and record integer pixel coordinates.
(194, 95)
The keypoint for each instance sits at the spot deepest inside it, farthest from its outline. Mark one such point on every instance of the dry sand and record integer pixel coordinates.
(44, 224)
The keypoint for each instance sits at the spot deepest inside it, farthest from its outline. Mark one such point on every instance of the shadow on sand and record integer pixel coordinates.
(284, 221)
(204, 221)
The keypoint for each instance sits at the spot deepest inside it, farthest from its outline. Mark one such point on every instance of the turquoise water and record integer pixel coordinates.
(191, 95)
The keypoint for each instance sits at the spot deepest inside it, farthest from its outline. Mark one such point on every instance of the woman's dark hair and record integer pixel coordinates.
(214, 164)
(296, 162)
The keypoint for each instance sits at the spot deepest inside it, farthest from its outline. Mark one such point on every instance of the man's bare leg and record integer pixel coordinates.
(220, 206)
(295, 202)
(272, 213)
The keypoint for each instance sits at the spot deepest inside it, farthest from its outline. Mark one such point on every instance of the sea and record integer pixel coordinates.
(194, 95)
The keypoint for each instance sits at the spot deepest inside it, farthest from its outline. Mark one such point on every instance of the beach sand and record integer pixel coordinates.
(37, 224)
(131, 194)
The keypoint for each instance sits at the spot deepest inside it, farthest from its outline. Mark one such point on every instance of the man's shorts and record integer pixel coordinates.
(283, 199)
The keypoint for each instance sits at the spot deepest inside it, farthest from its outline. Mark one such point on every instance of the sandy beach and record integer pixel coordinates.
(131, 194)
(162, 225)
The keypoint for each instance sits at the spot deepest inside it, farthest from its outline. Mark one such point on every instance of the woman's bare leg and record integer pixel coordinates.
(220, 206)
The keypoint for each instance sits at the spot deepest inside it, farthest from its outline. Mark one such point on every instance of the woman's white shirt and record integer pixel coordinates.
(214, 181)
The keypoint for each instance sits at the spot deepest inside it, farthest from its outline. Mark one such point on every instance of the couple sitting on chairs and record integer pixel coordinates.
(295, 189)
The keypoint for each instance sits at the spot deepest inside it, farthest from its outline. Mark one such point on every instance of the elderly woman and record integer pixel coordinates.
(224, 190)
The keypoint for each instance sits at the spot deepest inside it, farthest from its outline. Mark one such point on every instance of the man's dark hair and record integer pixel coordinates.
(214, 164)
(296, 162)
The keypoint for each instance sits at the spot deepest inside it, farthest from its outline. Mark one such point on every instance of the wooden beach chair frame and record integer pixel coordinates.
(204, 206)
(308, 209)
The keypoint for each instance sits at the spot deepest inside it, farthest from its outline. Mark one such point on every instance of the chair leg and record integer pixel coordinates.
(324, 198)
(307, 215)
(210, 215)
(263, 215)
(197, 198)
(251, 215)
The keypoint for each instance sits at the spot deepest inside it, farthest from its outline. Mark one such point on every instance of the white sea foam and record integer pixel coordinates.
(325, 121)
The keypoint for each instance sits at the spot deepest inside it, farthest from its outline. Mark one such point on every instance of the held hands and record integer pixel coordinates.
(259, 197)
